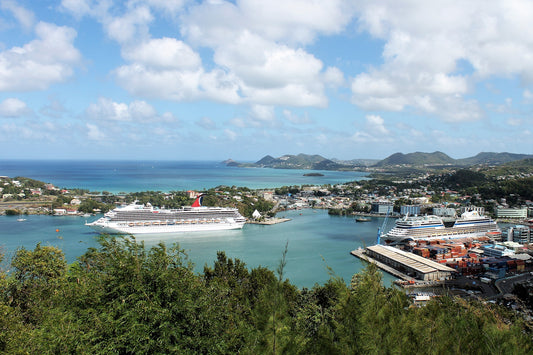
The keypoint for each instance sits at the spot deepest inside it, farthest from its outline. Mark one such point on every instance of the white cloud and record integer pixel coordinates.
(14, 108)
(137, 111)
(333, 77)
(376, 124)
(375, 131)
(163, 53)
(296, 119)
(94, 133)
(296, 21)
(231, 135)
(513, 121)
(166, 6)
(80, 8)
(528, 96)
(262, 112)
(206, 123)
(258, 43)
(42, 62)
(53, 109)
(132, 26)
(423, 49)
(24, 17)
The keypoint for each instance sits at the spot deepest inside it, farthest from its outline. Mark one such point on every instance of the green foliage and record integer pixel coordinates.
(125, 298)
(11, 212)
(90, 206)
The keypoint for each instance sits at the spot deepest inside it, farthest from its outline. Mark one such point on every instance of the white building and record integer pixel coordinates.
(511, 213)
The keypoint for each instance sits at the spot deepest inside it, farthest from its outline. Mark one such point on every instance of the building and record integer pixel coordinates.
(268, 195)
(410, 210)
(520, 234)
(480, 210)
(409, 263)
(519, 213)
(497, 251)
(382, 207)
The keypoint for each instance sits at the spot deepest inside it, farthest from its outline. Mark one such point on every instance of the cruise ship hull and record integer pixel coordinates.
(470, 225)
(161, 229)
(434, 236)
(139, 219)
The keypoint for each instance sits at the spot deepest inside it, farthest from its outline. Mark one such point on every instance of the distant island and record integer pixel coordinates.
(410, 160)
(313, 174)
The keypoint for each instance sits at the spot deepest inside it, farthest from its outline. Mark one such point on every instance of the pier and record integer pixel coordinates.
(404, 265)
(360, 253)
(270, 221)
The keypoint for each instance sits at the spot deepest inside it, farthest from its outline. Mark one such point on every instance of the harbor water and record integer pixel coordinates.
(316, 242)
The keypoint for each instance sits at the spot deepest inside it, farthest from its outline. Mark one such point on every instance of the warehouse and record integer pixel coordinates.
(409, 263)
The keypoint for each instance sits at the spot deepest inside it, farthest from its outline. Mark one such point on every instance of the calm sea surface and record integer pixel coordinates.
(316, 240)
(131, 176)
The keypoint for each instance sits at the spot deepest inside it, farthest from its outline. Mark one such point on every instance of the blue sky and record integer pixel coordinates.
(197, 80)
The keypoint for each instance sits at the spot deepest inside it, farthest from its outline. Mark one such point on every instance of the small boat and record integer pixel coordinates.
(21, 219)
(362, 219)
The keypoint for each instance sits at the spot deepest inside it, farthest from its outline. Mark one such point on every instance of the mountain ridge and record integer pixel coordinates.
(415, 159)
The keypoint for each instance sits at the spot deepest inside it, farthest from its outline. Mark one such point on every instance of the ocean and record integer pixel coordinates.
(318, 243)
(165, 176)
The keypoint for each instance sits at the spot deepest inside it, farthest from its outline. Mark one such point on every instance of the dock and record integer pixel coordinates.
(270, 221)
(404, 265)
(360, 253)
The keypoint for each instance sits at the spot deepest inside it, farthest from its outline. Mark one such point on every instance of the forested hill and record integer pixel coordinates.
(300, 161)
(439, 158)
(416, 159)
(126, 299)
(493, 159)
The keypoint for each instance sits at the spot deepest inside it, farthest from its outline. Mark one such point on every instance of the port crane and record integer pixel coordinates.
(383, 225)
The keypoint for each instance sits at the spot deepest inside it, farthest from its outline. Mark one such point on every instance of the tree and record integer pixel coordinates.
(37, 275)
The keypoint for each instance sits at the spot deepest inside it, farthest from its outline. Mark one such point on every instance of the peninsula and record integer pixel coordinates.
(416, 160)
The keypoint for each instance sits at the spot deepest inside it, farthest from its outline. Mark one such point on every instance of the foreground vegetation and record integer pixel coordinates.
(125, 298)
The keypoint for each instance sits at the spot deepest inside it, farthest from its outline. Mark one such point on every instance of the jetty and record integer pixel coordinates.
(406, 266)
(269, 221)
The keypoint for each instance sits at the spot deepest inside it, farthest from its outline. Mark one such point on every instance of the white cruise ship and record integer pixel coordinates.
(471, 224)
(141, 219)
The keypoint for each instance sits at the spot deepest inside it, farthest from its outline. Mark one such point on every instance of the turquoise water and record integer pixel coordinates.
(315, 241)
(131, 176)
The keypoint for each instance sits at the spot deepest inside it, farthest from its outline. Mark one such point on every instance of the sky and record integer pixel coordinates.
(216, 79)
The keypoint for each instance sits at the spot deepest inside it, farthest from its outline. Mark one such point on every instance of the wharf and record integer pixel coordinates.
(412, 270)
(270, 221)
(360, 253)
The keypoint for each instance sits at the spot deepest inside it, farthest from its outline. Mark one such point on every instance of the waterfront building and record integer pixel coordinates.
(520, 234)
(410, 210)
(382, 207)
(409, 263)
(511, 213)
